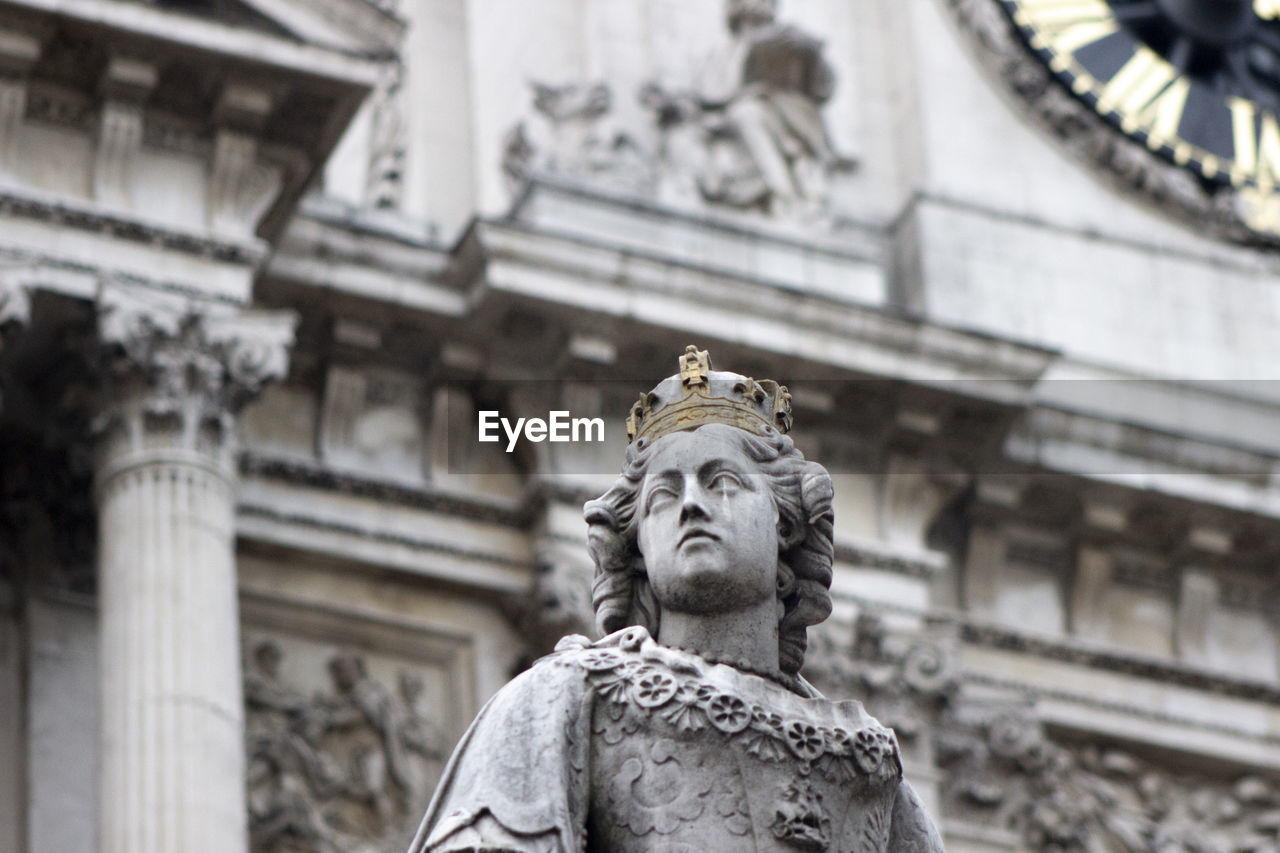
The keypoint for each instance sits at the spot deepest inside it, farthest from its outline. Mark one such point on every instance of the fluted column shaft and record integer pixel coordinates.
(172, 760)
(172, 707)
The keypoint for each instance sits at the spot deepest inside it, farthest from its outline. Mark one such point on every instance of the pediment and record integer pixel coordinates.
(351, 26)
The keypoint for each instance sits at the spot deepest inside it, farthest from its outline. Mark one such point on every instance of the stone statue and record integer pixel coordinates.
(764, 94)
(688, 727)
(759, 103)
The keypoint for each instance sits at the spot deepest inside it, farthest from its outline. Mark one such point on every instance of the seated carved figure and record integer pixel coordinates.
(687, 727)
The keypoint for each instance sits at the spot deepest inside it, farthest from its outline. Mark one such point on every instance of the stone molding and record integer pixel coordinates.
(318, 476)
(63, 212)
(413, 542)
(1088, 138)
(182, 370)
(868, 555)
(1085, 654)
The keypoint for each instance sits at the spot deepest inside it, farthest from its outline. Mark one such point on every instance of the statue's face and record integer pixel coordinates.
(708, 524)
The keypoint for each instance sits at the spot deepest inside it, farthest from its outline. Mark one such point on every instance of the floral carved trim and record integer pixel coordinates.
(629, 668)
(1173, 190)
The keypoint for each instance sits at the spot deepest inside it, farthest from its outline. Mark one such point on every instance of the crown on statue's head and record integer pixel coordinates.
(698, 395)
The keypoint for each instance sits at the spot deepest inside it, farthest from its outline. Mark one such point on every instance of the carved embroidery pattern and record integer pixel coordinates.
(625, 680)
(654, 792)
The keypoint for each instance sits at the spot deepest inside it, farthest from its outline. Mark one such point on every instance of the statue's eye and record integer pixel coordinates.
(723, 481)
(658, 497)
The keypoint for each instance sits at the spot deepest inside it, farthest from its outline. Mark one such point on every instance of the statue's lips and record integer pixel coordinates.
(697, 534)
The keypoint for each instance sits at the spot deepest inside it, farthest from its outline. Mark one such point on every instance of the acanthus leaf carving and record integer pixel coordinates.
(183, 364)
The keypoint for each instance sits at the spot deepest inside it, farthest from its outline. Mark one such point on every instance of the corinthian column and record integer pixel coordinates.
(172, 711)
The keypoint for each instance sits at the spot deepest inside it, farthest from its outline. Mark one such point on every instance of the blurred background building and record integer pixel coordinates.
(262, 262)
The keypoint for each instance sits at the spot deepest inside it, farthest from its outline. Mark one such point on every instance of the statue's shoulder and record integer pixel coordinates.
(911, 828)
(576, 656)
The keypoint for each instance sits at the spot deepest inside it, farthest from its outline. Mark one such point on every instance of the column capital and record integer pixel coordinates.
(178, 370)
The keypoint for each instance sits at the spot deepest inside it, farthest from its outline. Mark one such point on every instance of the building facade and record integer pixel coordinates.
(266, 264)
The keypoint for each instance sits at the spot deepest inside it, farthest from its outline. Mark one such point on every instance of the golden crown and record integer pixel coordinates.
(699, 395)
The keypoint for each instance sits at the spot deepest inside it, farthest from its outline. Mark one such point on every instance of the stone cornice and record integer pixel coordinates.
(352, 26)
(418, 543)
(317, 476)
(1233, 478)
(89, 217)
(1113, 660)
(870, 555)
(1069, 650)
(190, 33)
(522, 260)
(1128, 709)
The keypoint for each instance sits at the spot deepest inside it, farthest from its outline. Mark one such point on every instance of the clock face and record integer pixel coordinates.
(1196, 81)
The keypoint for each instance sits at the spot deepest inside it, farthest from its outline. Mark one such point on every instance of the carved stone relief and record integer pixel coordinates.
(1003, 771)
(343, 748)
(571, 135)
(907, 682)
(749, 134)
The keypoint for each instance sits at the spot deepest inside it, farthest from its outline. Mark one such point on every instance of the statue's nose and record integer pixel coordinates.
(694, 506)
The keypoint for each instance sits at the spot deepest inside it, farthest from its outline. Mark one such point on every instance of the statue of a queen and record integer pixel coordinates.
(688, 728)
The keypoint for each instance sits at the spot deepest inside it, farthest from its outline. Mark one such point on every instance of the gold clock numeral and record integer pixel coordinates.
(1147, 93)
(1067, 25)
(1257, 144)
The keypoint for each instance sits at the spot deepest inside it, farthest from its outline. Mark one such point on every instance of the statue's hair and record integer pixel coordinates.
(802, 493)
